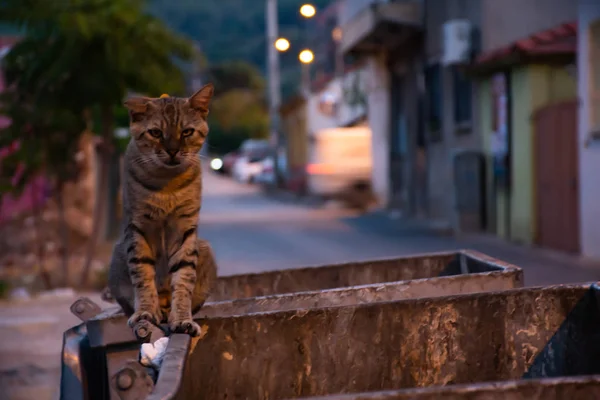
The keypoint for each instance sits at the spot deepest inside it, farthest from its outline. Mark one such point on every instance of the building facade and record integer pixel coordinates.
(588, 138)
(498, 139)
(385, 37)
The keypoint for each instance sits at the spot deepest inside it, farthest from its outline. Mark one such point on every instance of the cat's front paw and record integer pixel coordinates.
(186, 325)
(154, 318)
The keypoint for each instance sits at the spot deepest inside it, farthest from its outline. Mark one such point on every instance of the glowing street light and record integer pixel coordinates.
(306, 56)
(308, 11)
(336, 34)
(282, 44)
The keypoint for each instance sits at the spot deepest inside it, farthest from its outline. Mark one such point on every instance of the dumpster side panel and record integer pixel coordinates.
(412, 343)
(385, 292)
(575, 347)
(580, 388)
(330, 276)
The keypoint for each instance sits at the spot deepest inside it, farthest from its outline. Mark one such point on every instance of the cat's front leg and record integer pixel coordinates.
(141, 262)
(182, 268)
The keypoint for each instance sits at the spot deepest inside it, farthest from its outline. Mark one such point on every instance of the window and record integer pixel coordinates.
(462, 97)
(433, 87)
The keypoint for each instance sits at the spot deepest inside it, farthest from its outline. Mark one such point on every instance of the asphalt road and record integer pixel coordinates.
(251, 232)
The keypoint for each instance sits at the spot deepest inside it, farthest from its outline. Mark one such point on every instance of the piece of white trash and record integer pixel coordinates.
(151, 354)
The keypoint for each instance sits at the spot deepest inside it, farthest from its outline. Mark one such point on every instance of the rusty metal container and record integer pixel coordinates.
(571, 388)
(433, 275)
(424, 266)
(514, 335)
(94, 351)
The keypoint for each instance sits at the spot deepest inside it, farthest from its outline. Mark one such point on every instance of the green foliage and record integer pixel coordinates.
(235, 75)
(78, 56)
(4, 288)
(221, 142)
(90, 52)
(238, 111)
(48, 140)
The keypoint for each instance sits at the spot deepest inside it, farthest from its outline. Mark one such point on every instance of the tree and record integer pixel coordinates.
(47, 138)
(88, 54)
(239, 109)
(236, 75)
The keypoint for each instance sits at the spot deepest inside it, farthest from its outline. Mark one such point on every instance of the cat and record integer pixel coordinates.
(160, 270)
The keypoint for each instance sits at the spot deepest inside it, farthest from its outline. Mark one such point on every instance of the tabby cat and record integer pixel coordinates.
(159, 266)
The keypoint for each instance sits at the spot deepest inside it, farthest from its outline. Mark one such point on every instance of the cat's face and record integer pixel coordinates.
(169, 132)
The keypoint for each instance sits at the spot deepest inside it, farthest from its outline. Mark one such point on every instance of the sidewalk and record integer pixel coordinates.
(31, 332)
(541, 266)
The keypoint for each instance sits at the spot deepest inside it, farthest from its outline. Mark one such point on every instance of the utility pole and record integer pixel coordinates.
(274, 83)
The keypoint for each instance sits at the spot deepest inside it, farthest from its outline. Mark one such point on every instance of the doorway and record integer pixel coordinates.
(557, 184)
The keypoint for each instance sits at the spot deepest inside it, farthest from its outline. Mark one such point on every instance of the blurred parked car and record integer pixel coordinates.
(228, 161)
(248, 146)
(249, 165)
(267, 174)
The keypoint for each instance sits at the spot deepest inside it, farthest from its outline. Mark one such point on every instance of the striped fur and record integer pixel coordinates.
(160, 270)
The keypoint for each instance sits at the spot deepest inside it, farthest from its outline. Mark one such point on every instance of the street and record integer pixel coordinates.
(250, 233)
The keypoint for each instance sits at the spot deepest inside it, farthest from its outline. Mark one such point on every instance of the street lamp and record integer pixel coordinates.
(306, 56)
(308, 11)
(282, 44)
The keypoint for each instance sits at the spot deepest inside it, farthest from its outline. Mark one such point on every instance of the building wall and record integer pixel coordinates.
(317, 120)
(440, 155)
(521, 203)
(353, 82)
(507, 21)
(484, 127)
(378, 109)
(439, 11)
(531, 88)
(589, 157)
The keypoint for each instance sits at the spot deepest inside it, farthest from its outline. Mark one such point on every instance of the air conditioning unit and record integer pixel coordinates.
(457, 41)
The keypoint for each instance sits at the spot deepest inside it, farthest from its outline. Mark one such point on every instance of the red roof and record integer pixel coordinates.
(558, 40)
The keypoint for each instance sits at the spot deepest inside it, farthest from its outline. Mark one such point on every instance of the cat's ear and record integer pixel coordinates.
(137, 107)
(201, 99)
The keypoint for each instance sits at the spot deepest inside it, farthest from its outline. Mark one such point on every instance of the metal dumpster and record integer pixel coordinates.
(432, 265)
(571, 388)
(94, 351)
(519, 335)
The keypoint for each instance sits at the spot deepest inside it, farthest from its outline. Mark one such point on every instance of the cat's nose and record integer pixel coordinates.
(172, 153)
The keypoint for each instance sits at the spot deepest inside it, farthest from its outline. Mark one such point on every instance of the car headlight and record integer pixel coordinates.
(216, 164)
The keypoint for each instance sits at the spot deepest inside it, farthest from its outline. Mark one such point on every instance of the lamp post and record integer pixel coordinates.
(274, 83)
(306, 57)
(276, 45)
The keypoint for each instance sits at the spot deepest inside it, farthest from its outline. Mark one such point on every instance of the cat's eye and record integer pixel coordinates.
(187, 132)
(155, 132)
